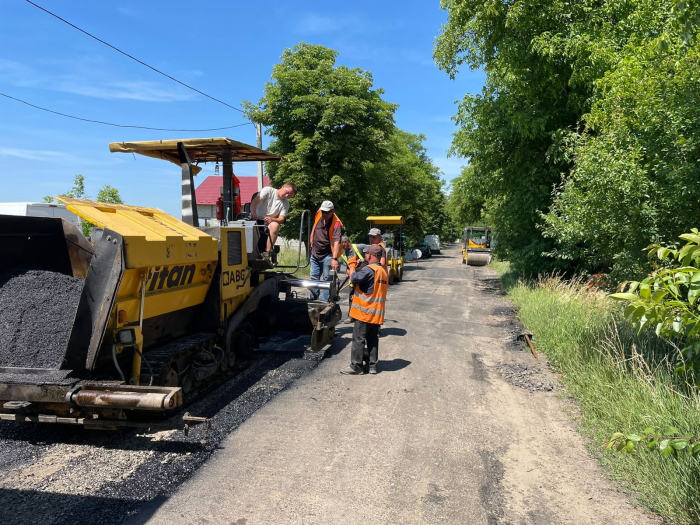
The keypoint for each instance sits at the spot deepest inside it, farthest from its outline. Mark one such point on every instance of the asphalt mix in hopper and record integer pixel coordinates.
(37, 310)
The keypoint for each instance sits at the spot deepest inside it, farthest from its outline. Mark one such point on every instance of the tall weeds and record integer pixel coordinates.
(622, 380)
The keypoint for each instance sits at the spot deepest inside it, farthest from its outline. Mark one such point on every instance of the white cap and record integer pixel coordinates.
(326, 206)
(375, 231)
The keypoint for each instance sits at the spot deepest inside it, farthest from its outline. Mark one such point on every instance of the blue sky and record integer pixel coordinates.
(226, 49)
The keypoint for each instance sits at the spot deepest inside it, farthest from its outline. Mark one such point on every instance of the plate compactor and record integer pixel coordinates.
(122, 330)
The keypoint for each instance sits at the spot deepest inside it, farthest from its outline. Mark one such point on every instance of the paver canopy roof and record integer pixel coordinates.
(199, 150)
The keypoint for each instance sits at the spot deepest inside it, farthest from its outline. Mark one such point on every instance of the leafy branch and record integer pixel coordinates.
(668, 443)
(668, 299)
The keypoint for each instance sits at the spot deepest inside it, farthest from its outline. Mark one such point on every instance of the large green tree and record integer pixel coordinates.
(333, 126)
(636, 159)
(406, 182)
(582, 141)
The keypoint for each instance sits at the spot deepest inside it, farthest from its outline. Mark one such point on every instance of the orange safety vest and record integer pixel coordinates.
(370, 308)
(334, 222)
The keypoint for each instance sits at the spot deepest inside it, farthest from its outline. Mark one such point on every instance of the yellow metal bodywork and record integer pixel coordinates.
(469, 243)
(174, 260)
(235, 285)
(387, 219)
(394, 259)
(472, 244)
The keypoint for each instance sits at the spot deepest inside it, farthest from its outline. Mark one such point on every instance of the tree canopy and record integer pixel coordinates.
(343, 145)
(582, 141)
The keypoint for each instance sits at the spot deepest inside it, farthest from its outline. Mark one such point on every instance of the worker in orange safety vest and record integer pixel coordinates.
(325, 245)
(371, 284)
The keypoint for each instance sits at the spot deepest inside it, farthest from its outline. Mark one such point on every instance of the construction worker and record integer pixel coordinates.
(375, 237)
(270, 207)
(352, 255)
(367, 309)
(325, 245)
(388, 238)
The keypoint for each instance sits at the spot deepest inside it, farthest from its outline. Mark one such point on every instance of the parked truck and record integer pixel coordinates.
(434, 242)
(39, 209)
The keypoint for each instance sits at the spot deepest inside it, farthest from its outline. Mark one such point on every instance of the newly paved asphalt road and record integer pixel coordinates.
(438, 436)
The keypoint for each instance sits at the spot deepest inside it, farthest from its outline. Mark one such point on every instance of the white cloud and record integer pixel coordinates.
(136, 90)
(82, 81)
(128, 12)
(318, 24)
(57, 157)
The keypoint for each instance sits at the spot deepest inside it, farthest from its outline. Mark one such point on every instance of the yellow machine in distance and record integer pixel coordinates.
(395, 252)
(476, 248)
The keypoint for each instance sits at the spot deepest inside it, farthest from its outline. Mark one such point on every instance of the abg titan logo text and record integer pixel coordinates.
(171, 277)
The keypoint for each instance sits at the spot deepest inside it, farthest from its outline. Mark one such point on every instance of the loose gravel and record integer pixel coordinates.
(59, 474)
(525, 376)
(37, 310)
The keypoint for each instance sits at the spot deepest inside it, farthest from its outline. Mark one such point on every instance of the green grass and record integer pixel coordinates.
(622, 381)
(288, 257)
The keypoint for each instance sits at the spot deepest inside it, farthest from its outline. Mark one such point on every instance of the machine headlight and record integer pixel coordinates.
(126, 337)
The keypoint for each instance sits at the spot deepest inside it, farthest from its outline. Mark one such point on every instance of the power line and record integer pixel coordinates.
(117, 125)
(134, 58)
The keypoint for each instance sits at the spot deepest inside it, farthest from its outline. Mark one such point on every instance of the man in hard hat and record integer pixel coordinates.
(375, 237)
(371, 284)
(325, 244)
(270, 207)
(352, 257)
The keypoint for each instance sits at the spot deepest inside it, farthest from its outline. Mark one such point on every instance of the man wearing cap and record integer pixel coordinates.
(375, 237)
(325, 244)
(367, 309)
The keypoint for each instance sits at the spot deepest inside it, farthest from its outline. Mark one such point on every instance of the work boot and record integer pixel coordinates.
(351, 370)
(372, 369)
(349, 320)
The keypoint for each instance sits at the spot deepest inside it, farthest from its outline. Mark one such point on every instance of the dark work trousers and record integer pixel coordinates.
(365, 332)
(352, 292)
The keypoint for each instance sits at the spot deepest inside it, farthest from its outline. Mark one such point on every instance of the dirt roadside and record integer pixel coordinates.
(459, 426)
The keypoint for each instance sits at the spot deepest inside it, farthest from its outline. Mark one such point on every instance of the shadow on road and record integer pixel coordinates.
(393, 331)
(392, 366)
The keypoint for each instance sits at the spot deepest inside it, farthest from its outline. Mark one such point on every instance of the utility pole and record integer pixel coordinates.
(258, 130)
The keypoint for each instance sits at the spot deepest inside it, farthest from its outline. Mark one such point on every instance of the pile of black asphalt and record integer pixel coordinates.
(37, 310)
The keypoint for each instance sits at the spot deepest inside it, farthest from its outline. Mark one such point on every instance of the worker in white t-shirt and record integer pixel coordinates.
(270, 207)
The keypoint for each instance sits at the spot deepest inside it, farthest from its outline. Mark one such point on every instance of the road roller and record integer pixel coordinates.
(476, 248)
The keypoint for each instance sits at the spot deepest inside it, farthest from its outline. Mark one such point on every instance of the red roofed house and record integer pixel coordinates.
(210, 190)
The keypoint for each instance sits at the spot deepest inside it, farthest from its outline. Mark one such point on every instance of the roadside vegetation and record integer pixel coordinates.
(342, 143)
(584, 153)
(289, 256)
(584, 143)
(621, 378)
